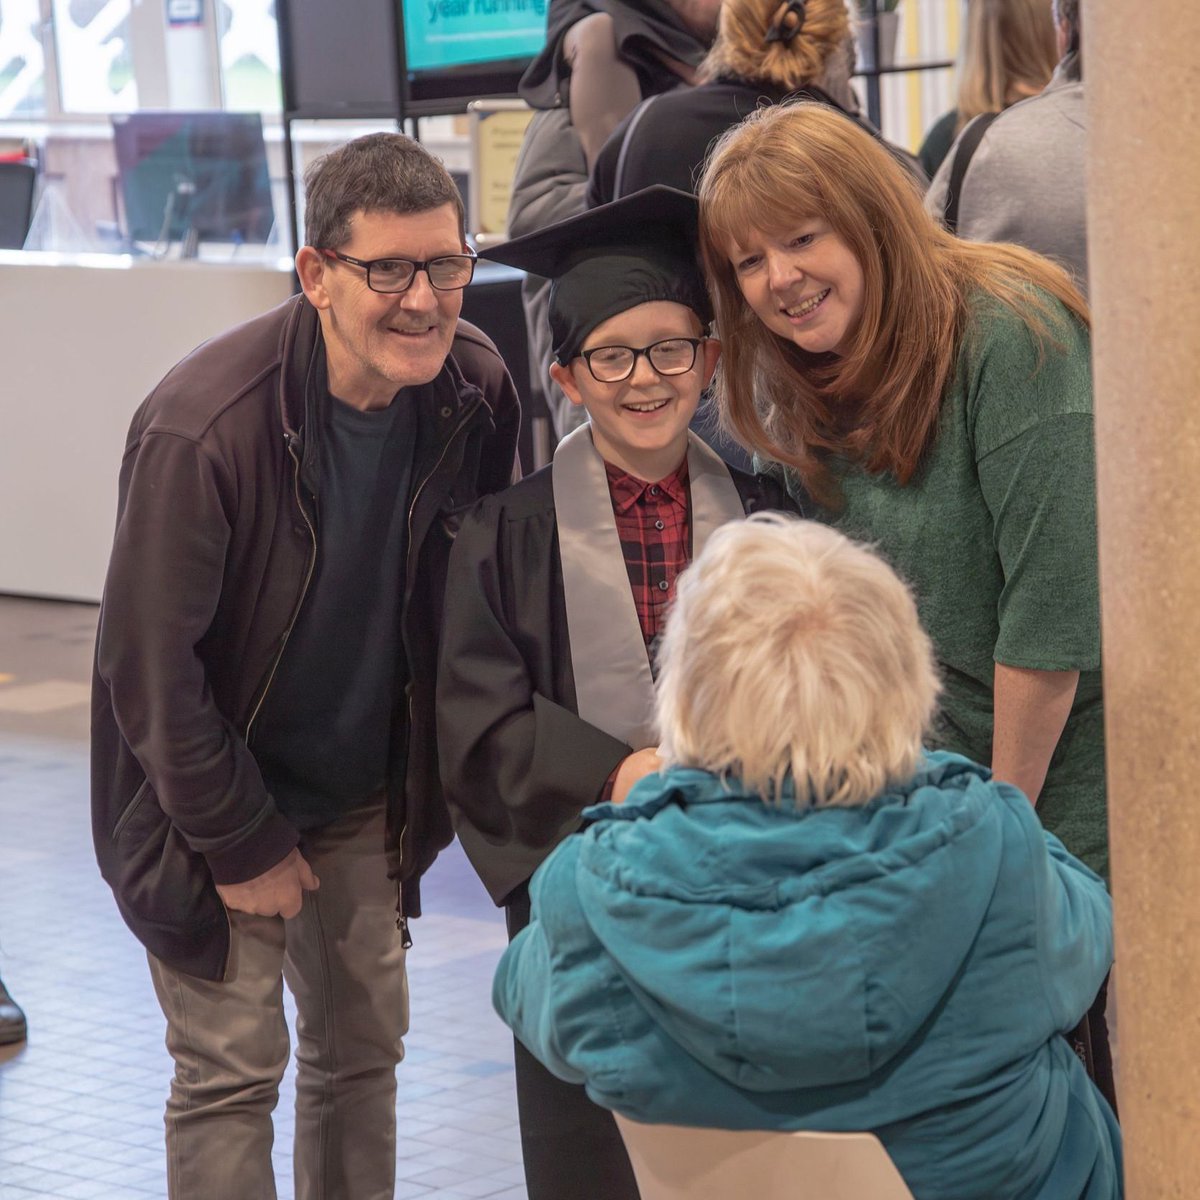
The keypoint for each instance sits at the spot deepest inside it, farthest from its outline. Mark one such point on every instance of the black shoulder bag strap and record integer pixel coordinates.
(634, 120)
(963, 153)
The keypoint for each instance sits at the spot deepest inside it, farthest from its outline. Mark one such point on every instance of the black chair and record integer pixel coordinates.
(17, 182)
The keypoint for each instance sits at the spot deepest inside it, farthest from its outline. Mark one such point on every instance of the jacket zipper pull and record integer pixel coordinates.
(401, 919)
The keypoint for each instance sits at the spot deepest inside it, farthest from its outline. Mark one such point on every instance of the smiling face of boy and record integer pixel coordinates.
(640, 423)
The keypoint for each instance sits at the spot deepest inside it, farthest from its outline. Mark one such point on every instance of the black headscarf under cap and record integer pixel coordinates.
(612, 258)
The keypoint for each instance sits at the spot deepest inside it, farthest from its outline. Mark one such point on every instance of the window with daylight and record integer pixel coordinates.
(22, 60)
(249, 55)
(95, 59)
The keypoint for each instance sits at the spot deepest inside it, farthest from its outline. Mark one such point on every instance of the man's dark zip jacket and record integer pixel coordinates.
(215, 545)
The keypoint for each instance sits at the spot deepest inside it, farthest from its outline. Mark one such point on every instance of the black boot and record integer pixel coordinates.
(12, 1019)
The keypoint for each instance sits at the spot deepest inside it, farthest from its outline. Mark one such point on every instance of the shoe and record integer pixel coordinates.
(12, 1019)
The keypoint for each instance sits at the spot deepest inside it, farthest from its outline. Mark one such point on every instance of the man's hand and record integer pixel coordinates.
(278, 892)
(636, 766)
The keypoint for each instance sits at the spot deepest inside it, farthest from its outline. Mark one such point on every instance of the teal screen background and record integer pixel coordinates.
(453, 33)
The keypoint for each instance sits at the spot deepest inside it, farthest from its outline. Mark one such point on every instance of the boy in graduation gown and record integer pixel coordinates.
(558, 589)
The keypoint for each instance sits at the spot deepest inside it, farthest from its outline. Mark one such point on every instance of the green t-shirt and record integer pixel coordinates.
(997, 536)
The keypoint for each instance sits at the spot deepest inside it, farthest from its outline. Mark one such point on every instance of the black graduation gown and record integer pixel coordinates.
(518, 766)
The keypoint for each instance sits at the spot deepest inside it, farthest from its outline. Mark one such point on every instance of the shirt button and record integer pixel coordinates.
(663, 585)
(659, 525)
(654, 490)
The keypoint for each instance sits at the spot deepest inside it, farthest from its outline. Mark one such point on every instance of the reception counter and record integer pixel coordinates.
(83, 339)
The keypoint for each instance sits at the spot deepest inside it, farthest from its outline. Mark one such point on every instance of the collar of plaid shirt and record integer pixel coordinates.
(654, 527)
(626, 490)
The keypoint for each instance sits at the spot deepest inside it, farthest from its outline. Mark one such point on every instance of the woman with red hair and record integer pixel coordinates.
(934, 397)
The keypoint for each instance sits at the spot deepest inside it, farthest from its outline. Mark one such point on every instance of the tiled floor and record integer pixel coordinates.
(81, 1102)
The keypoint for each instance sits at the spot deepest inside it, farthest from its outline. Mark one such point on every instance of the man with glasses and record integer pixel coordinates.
(265, 781)
(559, 587)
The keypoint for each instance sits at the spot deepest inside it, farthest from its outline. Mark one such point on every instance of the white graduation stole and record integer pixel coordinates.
(614, 688)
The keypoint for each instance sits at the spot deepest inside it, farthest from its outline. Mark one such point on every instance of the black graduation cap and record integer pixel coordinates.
(612, 258)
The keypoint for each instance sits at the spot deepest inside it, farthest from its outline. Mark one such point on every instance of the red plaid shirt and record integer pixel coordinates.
(654, 525)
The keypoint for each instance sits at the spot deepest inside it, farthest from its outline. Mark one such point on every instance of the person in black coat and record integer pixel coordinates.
(558, 588)
(766, 52)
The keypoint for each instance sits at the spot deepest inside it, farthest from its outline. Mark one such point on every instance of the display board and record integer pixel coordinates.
(458, 50)
(441, 34)
(401, 58)
(497, 135)
(340, 60)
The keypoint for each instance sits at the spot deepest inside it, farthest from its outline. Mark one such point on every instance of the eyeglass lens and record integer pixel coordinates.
(611, 364)
(396, 274)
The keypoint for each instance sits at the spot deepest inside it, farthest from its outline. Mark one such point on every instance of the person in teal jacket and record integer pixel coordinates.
(808, 922)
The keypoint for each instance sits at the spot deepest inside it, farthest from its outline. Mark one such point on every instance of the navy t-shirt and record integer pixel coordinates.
(323, 738)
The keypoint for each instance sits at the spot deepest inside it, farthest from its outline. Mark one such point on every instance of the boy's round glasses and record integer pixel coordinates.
(671, 356)
(449, 273)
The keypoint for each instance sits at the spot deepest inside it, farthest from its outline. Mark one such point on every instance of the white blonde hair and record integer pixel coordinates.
(792, 651)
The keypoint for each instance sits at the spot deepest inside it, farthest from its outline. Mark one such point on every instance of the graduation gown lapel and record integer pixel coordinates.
(614, 687)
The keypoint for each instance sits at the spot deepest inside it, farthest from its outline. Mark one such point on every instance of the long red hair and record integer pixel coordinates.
(878, 404)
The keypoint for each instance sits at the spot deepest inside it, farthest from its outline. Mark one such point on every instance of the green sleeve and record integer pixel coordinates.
(1035, 457)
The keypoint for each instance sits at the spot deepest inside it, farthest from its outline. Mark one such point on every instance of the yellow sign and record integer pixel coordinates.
(497, 132)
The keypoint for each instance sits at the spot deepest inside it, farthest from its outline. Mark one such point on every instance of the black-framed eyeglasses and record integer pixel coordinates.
(671, 356)
(447, 273)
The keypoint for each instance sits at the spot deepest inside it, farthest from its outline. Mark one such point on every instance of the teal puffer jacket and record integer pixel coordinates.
(700, 957)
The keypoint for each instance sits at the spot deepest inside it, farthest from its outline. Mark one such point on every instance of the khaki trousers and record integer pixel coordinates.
(343, 962)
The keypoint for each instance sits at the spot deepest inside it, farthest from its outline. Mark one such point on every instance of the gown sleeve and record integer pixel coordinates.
(518, 765)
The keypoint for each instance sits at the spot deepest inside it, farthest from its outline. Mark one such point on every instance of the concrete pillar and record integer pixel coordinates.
(1142, 72)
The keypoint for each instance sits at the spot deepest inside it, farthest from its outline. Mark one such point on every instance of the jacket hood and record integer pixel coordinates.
(785, 946)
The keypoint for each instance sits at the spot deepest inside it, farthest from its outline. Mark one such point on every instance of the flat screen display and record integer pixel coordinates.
(200, 175)
(441, 35)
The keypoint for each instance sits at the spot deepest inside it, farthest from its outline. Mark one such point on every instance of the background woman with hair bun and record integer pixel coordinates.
(1008, 54)
(934, 397)
(766, 51)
